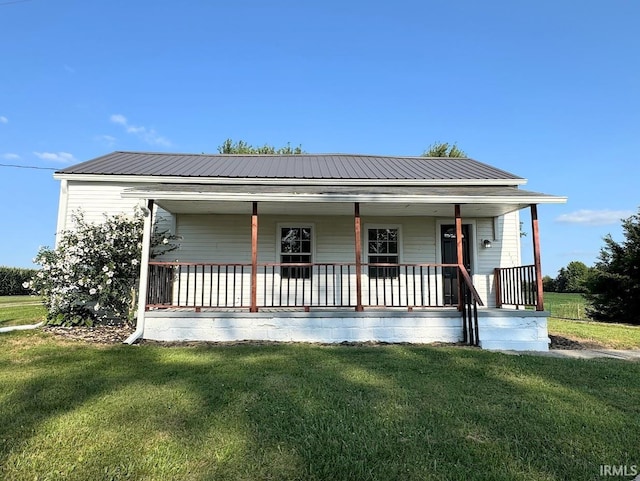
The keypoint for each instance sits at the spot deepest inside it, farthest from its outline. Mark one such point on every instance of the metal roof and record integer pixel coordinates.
(304, 166)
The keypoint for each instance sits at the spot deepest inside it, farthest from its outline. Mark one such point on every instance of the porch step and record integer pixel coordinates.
(517, 330)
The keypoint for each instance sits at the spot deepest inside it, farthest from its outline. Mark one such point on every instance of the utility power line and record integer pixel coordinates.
(27, 166)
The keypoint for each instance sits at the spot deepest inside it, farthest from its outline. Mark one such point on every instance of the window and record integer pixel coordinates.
(383, 249)
(295, 247)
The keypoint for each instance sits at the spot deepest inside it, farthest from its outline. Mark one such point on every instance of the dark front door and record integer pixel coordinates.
(450, 256)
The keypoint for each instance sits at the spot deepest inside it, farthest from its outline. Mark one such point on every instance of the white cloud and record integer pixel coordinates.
(64, 157)
(3, 120)
(594, 217)
(150, 136)
(10, 156)
(106, 139)
(118, 119)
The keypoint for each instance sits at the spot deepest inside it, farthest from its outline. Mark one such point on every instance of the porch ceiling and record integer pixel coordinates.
(480, 201)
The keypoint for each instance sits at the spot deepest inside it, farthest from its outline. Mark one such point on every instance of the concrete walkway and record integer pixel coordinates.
(21, 327)
(625, 355)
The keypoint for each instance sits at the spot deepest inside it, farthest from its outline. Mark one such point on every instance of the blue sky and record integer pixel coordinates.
(548, 90)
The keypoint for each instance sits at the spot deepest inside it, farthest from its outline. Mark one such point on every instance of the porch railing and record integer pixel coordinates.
(469, 306)
(301, 285)
(516, 286)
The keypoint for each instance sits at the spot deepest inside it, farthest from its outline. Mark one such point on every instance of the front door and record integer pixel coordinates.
(450, 256)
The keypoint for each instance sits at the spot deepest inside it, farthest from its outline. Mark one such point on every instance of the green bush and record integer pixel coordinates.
(12, 280)
(93, 272)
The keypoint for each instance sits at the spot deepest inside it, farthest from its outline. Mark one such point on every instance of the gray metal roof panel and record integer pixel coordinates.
(304, 166)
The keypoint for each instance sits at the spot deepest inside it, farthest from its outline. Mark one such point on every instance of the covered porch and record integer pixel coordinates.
(373, 283)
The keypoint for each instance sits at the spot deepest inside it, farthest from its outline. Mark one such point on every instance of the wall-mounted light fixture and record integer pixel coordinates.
(486, 244)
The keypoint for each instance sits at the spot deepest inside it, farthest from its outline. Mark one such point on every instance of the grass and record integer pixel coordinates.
(75, 411)
(565, 305)
(612, 336)
(20, 310)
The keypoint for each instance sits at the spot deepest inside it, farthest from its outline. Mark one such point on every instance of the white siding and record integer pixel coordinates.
(95, 199)
(504, 251)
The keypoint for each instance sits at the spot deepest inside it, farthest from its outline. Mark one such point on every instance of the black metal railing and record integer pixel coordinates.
(290, 285)
(516, 286)
(469, 306)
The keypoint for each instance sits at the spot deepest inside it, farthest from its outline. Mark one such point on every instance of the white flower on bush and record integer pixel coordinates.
(105, 256)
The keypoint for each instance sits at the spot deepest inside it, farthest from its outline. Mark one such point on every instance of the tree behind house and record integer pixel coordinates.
(242, 147)
(614, 289)
(444, 149)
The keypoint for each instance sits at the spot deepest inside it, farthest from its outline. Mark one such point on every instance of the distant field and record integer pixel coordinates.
(20, 310)
(19, 300)
(565, 306)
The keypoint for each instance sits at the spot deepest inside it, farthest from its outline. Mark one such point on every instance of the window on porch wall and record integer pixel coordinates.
(382, 249)
(295, 247)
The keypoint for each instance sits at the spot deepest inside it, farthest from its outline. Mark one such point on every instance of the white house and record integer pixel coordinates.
(325, 247)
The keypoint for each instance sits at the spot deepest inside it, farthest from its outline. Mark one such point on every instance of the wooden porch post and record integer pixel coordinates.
(459, 253)
(358, 237)
(254, 259)
(536, 257)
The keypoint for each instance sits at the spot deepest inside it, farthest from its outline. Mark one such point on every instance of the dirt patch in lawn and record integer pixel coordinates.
(559, 342)
(100, 334)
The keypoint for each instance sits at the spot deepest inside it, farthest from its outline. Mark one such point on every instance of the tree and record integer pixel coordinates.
(614, 288)
(573, 278)
(443, 149)
(549, 284)
(242, 147)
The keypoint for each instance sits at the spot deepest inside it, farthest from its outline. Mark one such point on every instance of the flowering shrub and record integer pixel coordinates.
(93, 273)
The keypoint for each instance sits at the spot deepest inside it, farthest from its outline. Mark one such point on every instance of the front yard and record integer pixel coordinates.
(71, 410)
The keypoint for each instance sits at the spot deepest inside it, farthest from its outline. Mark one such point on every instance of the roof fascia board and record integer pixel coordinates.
(382, 198)
(147, 179)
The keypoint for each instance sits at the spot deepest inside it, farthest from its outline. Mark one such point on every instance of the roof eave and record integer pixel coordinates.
(375, 198)
(146, 179)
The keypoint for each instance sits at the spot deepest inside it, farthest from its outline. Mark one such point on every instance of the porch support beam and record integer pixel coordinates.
(536, 257)
(358, 240)
(254, 259)
(459, 253)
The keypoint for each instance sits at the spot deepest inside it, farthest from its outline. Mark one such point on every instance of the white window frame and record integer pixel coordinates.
(281, 225)
(365, 239)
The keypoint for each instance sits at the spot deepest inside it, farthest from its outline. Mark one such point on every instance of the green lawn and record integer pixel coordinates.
(18, 300)
(20, 310)
(75, 411)
(564, 305)
(612, 336)
(572, 306)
